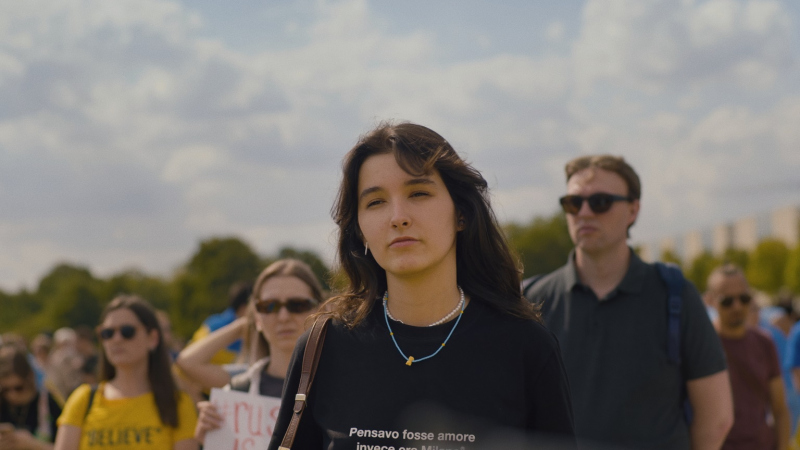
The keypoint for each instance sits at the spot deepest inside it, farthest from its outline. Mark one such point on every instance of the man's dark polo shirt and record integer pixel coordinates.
(624, 389)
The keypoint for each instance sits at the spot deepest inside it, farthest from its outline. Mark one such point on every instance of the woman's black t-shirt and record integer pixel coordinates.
(498, 380)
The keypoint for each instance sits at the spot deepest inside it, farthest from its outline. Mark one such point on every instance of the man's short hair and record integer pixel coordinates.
(724, 271)
(610, 163)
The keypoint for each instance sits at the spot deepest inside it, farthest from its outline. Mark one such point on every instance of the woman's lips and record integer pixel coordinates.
(402, 242)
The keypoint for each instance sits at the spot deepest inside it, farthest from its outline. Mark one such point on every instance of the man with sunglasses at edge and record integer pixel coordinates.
(753, 364)
(608, 309)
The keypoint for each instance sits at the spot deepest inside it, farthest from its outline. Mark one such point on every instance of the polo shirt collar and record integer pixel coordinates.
(571, 278)
(634, 277)
(632, 283)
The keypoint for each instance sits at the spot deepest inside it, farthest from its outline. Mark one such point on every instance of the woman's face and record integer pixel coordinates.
(126, 341)
(16, 390)
(280, 326)
(408, 221)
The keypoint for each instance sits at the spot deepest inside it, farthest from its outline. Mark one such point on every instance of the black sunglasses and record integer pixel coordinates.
(295, 305)
(727, 302)
(598, 203)
(126, 331)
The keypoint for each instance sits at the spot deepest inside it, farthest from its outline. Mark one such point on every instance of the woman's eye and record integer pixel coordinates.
(373, 202)
(420, 194)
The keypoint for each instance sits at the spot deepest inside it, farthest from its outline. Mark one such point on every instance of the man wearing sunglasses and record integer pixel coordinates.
(609, 311)
(753, 364)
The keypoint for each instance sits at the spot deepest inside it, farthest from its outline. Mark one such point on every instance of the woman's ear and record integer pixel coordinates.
(461, 224)
(153, 337)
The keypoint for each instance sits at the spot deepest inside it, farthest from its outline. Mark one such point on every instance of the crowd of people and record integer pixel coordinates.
(434, 342)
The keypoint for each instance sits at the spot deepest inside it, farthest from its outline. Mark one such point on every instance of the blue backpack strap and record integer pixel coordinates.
(673, 278)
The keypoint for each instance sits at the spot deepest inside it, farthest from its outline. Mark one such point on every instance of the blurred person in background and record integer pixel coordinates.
(27, 414)
(137, 404)
(40, 351)
(238, 296)
(753, 365)
(609, 311)
(65, 362)
(284, 295)
(764, 316)
(87, 347)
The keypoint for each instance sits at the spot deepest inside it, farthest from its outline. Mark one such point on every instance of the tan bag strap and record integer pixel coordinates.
(310, 359)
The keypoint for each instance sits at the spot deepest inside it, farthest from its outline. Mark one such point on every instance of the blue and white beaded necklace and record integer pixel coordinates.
(410, 359)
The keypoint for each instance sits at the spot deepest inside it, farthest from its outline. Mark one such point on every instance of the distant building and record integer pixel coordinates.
(721, 239)
(786, 225)
(745, 233)
(693, 245)
(742, 234)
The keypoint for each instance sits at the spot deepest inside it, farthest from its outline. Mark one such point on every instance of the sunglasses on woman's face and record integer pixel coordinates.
(727, 302)
(17, 388)
(296, 305)
(126, 331)
(598, 203)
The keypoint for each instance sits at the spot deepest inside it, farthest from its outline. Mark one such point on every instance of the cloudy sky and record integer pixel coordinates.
(132, 129)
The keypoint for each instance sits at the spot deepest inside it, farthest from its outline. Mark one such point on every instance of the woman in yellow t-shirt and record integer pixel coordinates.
(137, 405)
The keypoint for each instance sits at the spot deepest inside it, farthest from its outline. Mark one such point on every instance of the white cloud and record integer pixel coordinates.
(656, 45)
(555, 31)
(122, 113)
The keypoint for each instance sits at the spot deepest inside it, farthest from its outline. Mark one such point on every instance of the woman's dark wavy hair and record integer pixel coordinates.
(487, 270)
(159, 372)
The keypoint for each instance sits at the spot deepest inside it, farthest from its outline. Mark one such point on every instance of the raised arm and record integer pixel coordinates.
(195, 360)
(712, 408)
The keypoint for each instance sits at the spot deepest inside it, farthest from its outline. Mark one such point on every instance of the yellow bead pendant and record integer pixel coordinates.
(410, 360)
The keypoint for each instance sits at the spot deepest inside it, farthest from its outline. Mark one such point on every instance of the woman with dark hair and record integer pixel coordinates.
(432, 343)
(27, 414)
(284, 295)
(137, 404)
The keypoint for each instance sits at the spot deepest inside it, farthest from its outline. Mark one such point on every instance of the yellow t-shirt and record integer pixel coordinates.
(127, 423)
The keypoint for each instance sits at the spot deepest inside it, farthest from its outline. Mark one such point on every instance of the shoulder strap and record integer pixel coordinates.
(528, 283)
(92, 393)
(673, 278)
(311, 356)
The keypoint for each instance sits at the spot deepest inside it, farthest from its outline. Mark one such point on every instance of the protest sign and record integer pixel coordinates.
(249, 420)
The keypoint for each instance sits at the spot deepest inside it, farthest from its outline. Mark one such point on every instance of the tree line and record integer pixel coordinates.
(70, 295)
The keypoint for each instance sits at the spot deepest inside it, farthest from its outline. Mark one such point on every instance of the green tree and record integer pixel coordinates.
(737, 257)
(201, 288)
(69, 296)
(543, 244)
(80, 302)
(59, 275)
(792, 275)
(767, 265)
(153, 289)
(668, 256)
(309, 257)
(16, 309)
(701, 268)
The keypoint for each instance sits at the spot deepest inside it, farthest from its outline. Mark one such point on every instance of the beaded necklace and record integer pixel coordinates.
(438, 322)
(410, 359)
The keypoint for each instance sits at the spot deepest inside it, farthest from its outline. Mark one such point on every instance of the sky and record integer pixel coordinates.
(131, 130)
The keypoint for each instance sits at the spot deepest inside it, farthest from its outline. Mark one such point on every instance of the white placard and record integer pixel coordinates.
(249, 420)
